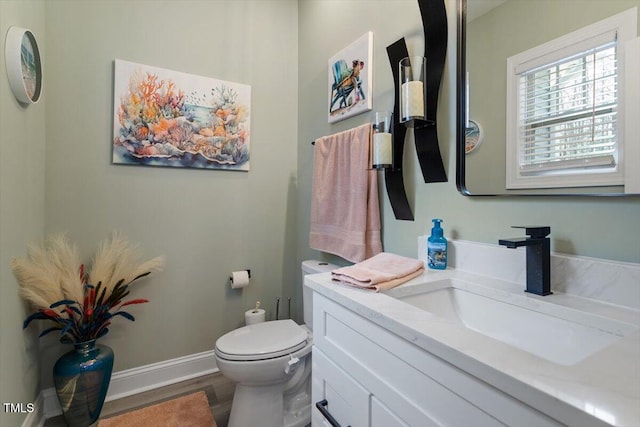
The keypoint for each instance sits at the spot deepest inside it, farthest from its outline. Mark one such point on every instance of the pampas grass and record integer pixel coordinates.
(49, 273)
(53, 281)
(118, 259)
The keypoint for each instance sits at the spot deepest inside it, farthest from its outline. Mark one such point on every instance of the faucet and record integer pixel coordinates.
(538, 257)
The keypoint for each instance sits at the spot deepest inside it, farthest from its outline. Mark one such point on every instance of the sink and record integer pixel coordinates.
(559, 334)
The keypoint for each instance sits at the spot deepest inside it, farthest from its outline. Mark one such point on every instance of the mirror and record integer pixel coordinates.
(490, 31)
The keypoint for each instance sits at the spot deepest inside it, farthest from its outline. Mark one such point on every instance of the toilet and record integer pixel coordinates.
(270, 363)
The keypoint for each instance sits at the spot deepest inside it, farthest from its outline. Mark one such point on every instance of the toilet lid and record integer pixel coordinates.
(262, 341)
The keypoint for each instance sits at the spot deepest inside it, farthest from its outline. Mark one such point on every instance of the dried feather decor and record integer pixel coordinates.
(118, 259)
(81, 305)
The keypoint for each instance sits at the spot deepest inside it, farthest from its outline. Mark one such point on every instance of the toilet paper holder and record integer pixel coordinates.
(248, 273)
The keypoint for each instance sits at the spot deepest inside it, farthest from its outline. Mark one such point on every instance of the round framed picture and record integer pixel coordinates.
(472, 137)
(24, 69)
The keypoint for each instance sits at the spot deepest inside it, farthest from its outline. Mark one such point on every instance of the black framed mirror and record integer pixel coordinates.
(488, 33)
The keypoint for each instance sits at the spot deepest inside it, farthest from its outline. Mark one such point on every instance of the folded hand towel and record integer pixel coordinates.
(385, 285)
(380, 272)
(345, 215)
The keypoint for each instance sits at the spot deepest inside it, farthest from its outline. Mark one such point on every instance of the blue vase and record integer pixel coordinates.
(81, 378)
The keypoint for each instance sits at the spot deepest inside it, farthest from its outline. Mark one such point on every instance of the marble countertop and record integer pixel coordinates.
(603, 389)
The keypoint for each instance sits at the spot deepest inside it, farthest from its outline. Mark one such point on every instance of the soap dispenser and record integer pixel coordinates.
(437, 247)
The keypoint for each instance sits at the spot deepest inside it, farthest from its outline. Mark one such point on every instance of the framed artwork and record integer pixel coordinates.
(350, 79)
(24, 69)
(170, 118)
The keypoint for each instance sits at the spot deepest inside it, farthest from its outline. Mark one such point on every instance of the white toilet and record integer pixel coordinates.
(270, 363)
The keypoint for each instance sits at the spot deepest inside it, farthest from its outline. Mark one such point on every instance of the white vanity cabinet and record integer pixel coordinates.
(372, 377)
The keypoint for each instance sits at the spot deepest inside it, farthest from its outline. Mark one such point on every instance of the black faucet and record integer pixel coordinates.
(538, 257)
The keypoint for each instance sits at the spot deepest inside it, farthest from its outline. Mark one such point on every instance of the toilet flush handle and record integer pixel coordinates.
(291, 363)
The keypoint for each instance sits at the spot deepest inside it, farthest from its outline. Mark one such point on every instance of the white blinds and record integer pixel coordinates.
(567, 111)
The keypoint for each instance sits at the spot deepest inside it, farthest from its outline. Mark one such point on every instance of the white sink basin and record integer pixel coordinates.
(559, 334)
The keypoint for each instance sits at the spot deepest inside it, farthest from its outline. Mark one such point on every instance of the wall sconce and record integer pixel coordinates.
(416, 105)
(413, 75)
(382, 140)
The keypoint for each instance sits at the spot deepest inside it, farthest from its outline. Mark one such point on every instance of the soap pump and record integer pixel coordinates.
(437, 247)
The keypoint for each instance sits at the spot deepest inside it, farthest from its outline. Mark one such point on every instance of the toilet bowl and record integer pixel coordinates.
(270, 363)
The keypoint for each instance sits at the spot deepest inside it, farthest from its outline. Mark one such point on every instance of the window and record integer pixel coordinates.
(565, 108)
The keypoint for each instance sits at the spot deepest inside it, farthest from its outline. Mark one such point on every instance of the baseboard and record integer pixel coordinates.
(137, 380)
(36, 418)
(133, 381)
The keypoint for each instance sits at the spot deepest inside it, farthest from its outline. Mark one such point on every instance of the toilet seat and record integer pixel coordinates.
(262, 341)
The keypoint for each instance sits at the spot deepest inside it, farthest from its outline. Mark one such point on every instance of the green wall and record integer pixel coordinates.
(22, 212)
(209, 223)
(593, 227)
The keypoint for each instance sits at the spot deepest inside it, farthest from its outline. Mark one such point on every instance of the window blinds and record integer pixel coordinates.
(567, 110)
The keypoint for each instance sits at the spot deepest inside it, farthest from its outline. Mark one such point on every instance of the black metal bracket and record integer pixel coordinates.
(434, 21)
(434, 24)
(393, 178)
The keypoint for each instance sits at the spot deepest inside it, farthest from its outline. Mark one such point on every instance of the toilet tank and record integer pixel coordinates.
(312, 267)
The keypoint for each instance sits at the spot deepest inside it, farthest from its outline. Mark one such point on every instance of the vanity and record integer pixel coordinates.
(458, 348)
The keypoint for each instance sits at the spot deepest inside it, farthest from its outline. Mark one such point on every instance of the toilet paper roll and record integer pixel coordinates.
(239, 279)
(251, 317)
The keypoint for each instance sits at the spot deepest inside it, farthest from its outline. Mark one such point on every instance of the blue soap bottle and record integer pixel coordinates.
(437, 247)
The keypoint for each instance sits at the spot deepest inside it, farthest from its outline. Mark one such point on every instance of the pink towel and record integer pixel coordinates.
(380, 272)
(345, 216)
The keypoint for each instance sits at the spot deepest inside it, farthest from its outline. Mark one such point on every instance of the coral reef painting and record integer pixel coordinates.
(169, 118)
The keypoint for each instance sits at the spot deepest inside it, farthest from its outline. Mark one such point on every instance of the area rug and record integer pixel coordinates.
(192, 410)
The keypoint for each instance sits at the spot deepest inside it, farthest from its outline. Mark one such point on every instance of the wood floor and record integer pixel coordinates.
(219, 391)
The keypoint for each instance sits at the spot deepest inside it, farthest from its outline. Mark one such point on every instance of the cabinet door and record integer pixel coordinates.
(417, 387)
(347, 400)
(382, 416)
